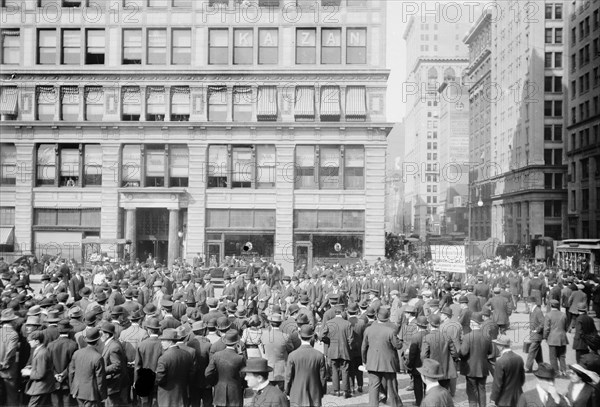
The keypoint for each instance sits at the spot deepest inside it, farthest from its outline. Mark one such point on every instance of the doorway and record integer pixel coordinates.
(215, 253)
(152, 226)
(303, 255)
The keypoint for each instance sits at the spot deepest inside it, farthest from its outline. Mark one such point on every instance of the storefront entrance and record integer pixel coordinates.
(303, 256)
(152, 234)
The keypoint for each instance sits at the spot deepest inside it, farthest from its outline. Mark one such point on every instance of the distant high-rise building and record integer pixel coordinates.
(582, 122)
(478, 77)
(527, 109)
(394, 187)
(436, 54)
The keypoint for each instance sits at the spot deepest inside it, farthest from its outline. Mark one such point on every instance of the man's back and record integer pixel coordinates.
(87, 377)
(475, 350)
(305, 380)
(379, 348)
(509, 377)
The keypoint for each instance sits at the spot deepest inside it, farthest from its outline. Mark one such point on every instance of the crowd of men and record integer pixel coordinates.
(150, 335)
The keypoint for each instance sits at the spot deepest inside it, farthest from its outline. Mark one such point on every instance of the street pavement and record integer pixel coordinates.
(518, 332)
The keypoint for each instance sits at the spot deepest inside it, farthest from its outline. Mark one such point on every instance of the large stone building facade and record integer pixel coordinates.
(582, 121)
(171, 128)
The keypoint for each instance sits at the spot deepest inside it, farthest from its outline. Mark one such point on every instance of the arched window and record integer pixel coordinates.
(432, 74)
(449, 75)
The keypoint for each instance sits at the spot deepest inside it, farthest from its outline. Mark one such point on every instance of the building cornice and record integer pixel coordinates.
(484, 19)
(437, 60)
(479, 59)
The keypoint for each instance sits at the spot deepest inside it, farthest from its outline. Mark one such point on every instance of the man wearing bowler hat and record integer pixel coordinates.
(306, 370)
(9, 345)
(438, 345)
(545, 393)
(475, 350)
(87, 376)
(436, 395)
(584, 325)
(509, 375)
(146, 361)
(61, 351)
(277, 346)
(536, 325)
(224, 371)
(380, 357)
(340, 337)
(172, 371)
(265, 394)
(115, 364)
(555, 333)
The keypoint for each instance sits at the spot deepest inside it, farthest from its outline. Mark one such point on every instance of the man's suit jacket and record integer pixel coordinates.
(588, 397)
(87, 376)
(414, 350)
(201, 345)
(509, 377)
(147, 354)
(474, 304)
(41, 380)
(115, 365)
(76, 283)
(305, 377)
(584, 325)
(575, 299)
(358, 330)
(536, 324)
(531, 398)
(9, 345)
(224, 371)
(341, 338)
(437, 396)
(555, 328)
(277, 346)
(439, 347)
(131, 338)
(475, 351)
(270, 396)
(501, 309)
(172, 377)
(380, 349)
(61, 351)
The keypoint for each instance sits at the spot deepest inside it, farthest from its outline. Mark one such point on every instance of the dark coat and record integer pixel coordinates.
(76, 283)
(224, 370)
(147, 354)
(437, 397)
(358, 328)
(202, 347)
(531, 398)
(277, 346)
(414, 351)
(305, 377)
(509, 377)
(61, 351)
(9, 346)
(439, 347)
(380, 349)
(270, 396)
(87, 377)
(341, 337)
(536, 324)
(474, 304)
(575, 299)
(584, 325)
(555, 328)
(115, 365)
(588, 397)
(501, 309)
(41, 380)
(172, 377)
(475, 351)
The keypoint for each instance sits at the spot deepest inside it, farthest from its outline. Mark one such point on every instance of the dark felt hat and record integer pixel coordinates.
(257, 365)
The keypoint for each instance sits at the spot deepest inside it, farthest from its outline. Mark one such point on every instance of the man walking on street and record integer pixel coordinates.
(509, 375)
(475, 350)
(536, 324)
(555, 333)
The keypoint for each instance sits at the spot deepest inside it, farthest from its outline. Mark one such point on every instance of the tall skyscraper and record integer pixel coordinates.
(582, 143)
(436, 54)
(526, 165)
(171, 128)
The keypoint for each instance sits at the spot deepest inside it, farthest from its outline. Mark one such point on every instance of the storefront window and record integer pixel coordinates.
(260, 245)
(305, 167)
(335, 246)
(329, 220)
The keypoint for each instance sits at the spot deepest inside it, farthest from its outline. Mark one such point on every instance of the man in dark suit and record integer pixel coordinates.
(436, 396)
(202, 347)
(536, 325)
(61, 351)
(440, 347)
(358, 328)
(147, 354)
(481, 290)
(577, 297)
(414, 357)
(265, 394)
(501, 310)
(87, 377)
(9, 369)
(472, 300)
(224, 370)
(544, 393)
(115, 364)
(173, 371)
(537, 288)
(40, 373)
(305, 375)
(584, 325)
(555, 333)
(475, 351)
(76, 283)
(380, 357)
(340, 336)
(509, 375)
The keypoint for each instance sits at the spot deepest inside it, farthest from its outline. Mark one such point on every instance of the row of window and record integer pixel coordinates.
(243, 103)
(554, 11)
(585, 200)
(228, 166)
(553, 108)
(553, 60)
(584, 110)
(553, 84)
(554, 36)
(584, 165)
(161, 46)
(585, 139)
(553, 156)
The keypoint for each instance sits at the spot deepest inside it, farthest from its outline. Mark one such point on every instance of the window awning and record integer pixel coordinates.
(132, 101)
(156, 100)
(7, 235)
(330, 103)
(9, 101)
(304, 108)
(267, 103)
(180, 100)
(356, 106)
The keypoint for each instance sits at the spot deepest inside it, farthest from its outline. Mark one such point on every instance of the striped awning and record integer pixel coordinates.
(330, 103)
(304, 108)
(356, 105)
(267, 103)
(131, 100)
(6, 235)
(8, 99)
(180, 100)
(156, 100)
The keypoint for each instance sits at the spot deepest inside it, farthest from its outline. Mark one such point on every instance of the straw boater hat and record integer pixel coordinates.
(586, 375)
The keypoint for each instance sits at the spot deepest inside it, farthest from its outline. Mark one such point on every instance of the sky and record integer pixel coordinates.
(396, 55)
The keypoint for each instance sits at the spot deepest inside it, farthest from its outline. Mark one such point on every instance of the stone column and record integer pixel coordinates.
(173, 237)
(131, 232)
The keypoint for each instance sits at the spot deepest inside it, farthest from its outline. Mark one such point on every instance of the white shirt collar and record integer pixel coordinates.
(576, 390)
(431, 386)
(261, 386)
(542, 393)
